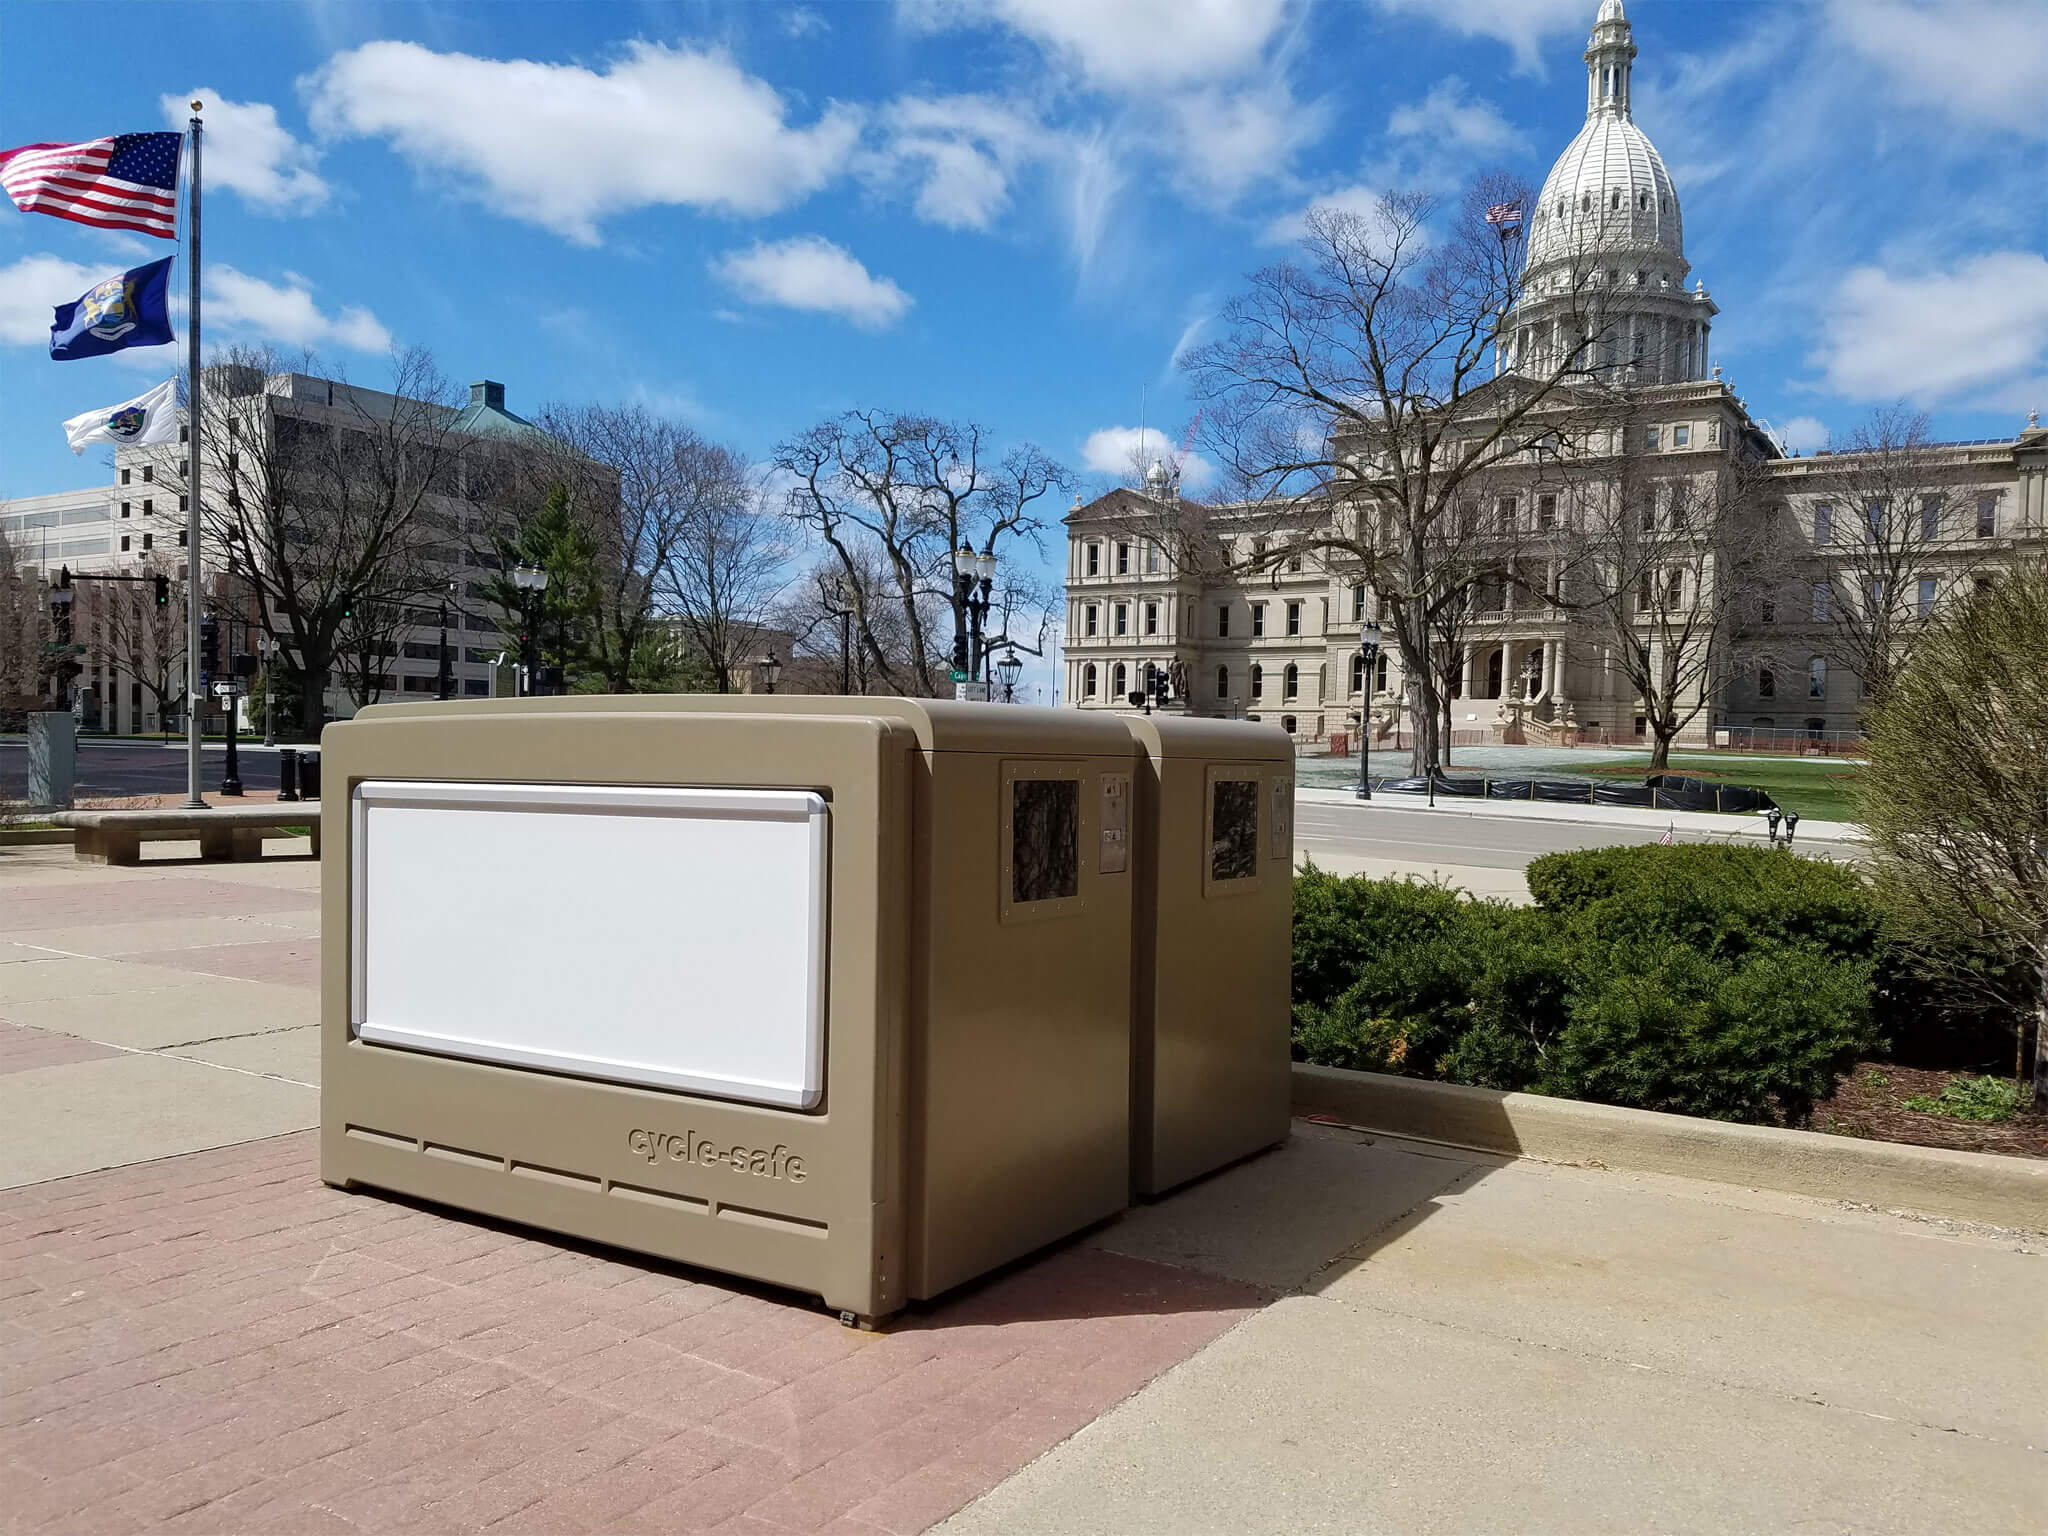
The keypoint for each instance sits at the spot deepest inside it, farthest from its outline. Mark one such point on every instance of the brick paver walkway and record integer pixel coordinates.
(217, 1342)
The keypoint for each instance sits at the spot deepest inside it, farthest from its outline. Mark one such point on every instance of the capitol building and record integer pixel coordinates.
(1274, 630)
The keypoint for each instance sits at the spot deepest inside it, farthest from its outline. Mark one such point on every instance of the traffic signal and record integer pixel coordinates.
(209, 646)
(163, 591)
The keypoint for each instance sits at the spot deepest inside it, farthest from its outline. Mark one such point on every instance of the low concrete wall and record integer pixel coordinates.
(1972, 1186)
(34, 837)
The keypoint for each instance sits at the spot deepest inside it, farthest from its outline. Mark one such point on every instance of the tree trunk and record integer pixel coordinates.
(312, 697)
(2041, 1037)
(1660, 753)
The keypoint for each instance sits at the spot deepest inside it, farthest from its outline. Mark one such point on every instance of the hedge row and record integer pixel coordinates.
(1736, 983)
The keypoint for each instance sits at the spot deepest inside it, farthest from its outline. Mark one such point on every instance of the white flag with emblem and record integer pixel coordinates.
(150, 418)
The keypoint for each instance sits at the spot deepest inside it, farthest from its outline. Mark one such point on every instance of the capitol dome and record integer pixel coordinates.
(1603, 281)
(1609, 190)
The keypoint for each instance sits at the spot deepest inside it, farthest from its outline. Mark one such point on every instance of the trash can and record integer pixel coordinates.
(833, 994)
(1213, 947)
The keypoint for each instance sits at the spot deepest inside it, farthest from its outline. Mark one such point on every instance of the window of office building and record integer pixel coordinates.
(1223, 682)
(1122, 625)
(1151, 618)
(1258, 619)
(1290, 683)
(1223, 621)
(1987, 517)
(1817, 678)
(1123, 559)
(1930, 517)
(1258, 681)
(1925, 606)
(1091, 621)
(1358, 601)
(1294, 618)
(1088, 681)
(1681, 435)
(1092, 560)
(1767, 684)
(1117, 681)
(1820, 602)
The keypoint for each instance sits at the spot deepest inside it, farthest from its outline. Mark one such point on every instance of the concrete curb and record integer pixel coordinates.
(1970, 1186)
(34, 837)
(1730, 824)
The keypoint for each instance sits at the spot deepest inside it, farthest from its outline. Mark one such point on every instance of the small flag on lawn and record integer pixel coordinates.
(128, 181)
(1670, 834)
(150, 418)
(132, 310)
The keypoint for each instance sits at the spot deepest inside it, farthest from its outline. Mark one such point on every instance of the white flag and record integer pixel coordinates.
(150, 418)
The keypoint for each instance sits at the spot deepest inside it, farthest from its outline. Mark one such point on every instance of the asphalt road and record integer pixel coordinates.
(1483, 842)
(127, 768)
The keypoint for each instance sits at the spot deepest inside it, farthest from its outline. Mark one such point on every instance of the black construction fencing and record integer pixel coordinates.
(1662, 792)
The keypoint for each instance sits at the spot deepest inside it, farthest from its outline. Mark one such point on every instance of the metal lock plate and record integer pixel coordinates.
(1114, 856)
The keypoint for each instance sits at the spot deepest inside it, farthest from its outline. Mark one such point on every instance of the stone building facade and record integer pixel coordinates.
(1606, 251)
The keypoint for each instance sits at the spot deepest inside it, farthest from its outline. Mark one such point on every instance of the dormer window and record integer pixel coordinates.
(1585, 202)
(1642, 200)
(1642, 277)
(1614, 198)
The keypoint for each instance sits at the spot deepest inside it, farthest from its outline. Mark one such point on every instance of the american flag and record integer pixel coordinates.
(129, 181)
(1504, 213)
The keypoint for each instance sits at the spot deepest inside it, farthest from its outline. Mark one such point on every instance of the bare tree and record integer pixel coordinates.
(138, 635)
(906, 491)
(1355, 400)
(728, 566)
(1956, 796)
(820, 607)
(26, 633)
(1892, 521)
(1666, 571)
(319, 507)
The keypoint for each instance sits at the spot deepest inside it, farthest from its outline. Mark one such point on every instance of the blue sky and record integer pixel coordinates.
(1016, 211)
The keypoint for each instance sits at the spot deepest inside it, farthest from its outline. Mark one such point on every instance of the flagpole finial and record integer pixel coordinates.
(198, 105)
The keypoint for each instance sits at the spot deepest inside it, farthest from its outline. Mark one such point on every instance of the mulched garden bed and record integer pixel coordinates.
(1872, 1102)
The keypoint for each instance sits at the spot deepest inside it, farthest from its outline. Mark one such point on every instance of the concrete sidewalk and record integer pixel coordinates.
(1352, 1334)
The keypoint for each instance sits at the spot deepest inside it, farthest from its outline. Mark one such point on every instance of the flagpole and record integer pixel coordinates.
(195, 475)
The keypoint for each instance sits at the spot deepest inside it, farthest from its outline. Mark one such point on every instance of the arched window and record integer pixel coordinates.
(1146, 677)
(1585, 202)
(1088, 681)
(1380, 681)
(1290, 682)
(1767, 684)
(1289, 724)
(1223, 682)
(1258, 681)
(1817, 678)
(1117, 678)
(1322, 682)
(1614, 198)
(1357, 673)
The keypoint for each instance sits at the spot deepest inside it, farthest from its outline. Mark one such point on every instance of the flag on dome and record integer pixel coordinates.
(127, 181)
(1504, 213)
(150, 418)
(132, 310)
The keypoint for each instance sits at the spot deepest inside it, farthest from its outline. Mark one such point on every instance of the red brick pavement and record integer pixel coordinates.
(287, 962)
(218, 1343)
(146, 897)
(23, 1049)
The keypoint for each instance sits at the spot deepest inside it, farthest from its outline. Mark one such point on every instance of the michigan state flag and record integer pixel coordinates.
(132, 310)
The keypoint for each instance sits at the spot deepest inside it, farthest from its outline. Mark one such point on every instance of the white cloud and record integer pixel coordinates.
(1975, 333)
(1803, 434)
(1359, 199)
(1134, 46)
(563, 146)
(964, 151)
(30, 288)
(250, 153)
(1981, 61)
(1125, 453)
(1226, 140)
(237, 301)
(802, 21)
(1524, 25)
(810, 273)
(1449, 116)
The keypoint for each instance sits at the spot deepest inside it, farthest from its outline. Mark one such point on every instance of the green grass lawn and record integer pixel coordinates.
(1820, 787)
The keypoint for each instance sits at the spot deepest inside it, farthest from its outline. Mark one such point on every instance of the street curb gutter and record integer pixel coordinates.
(1970, 1186)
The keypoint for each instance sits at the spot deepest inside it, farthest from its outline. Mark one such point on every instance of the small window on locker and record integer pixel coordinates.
(1234, 829)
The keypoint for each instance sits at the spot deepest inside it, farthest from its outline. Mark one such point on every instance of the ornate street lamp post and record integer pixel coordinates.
(1009, 669)
(532, 582)
(444, 683)
(973, 578)
(771, 668)
(1369, 648)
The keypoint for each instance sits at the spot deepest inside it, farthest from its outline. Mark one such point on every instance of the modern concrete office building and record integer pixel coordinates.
(129, 677)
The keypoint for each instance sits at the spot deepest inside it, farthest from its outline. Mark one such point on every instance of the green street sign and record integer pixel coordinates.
(956, 676)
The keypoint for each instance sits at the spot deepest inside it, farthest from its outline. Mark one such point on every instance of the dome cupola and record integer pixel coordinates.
(1606, 253)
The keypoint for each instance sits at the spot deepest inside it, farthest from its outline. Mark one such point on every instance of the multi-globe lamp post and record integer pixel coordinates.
(973, 579)
(532, 582)
(1368, 648)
